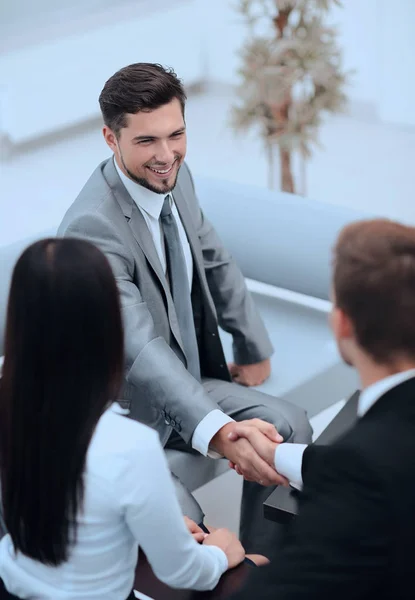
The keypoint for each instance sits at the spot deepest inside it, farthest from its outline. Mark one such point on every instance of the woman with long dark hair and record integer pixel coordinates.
(82, 486)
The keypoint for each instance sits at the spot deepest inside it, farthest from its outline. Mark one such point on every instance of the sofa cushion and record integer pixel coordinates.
(277, 238)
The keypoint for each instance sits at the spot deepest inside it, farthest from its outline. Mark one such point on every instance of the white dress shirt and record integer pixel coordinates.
(129, 502)
(150, 205)
(289, 457)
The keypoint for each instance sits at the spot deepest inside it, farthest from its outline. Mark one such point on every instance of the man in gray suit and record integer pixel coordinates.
(178, 284)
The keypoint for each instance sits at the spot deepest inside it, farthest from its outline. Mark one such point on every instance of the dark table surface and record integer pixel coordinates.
(147, 583)
(281, 505)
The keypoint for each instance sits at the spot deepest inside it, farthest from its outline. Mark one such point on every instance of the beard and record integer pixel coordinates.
(166, 187)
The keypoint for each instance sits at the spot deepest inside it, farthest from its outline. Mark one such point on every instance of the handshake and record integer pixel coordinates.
(250, 448)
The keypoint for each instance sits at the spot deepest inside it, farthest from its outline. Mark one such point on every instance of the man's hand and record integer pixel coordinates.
(198, 534)
(240, 452)
(250, 375)
(261, 436)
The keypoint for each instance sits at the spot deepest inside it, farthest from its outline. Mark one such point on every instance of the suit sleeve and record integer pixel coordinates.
(337, 545)
(151, 364)
(313, 454)
(234, 304)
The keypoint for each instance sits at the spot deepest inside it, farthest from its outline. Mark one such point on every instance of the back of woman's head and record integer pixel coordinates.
(63, 366)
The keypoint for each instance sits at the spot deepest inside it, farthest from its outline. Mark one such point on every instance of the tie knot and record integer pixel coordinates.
(166, 210)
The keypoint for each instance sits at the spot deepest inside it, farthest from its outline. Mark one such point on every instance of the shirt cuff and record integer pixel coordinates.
(206, 430)
(288, 462)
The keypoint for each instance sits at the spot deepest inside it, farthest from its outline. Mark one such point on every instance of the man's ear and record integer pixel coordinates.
(344, 325)
(110, 138)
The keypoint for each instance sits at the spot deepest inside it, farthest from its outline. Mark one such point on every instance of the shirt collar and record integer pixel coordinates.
(372, 393)
(145, 199)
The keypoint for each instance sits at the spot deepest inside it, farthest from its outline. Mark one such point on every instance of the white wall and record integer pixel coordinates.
(223, 34)
(396, 86)
(55, 83)
(357, 24)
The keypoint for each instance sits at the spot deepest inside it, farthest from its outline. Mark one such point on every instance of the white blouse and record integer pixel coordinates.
(129, 502)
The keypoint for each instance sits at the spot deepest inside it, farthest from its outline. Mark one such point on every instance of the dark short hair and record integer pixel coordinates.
(374, 284)
(138, 87)
(63, 366)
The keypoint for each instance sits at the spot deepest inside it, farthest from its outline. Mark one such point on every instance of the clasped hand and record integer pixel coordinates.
(250, 448)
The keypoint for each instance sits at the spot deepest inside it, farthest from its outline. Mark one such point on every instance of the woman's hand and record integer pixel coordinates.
(197, 533)
(229, 543)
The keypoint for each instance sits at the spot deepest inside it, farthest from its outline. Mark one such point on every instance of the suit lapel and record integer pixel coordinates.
(143, 236)
(194, 241)
(144, 239)
(136, 221)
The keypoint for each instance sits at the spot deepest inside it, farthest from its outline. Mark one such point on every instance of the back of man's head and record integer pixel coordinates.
(374, 285)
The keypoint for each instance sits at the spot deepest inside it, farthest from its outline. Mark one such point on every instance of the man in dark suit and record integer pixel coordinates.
(354, 534)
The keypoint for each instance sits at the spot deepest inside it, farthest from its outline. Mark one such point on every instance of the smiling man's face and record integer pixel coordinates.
(151, 149)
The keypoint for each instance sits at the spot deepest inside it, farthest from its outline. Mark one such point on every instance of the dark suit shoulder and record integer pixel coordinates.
(369, 459)
(345, 460)
(385, 436)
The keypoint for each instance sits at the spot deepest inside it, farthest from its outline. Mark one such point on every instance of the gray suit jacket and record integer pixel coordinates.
(158, 389)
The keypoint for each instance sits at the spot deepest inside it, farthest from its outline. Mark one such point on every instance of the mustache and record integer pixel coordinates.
(159, 164)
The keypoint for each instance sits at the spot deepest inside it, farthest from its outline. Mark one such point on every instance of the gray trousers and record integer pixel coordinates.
(257, 535)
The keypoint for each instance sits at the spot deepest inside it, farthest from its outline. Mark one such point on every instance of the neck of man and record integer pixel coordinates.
(370, 371)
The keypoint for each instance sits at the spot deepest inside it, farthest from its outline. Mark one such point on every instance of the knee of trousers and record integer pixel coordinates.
(302, 432)
(188, 503)
(292, 423)
(265, 413)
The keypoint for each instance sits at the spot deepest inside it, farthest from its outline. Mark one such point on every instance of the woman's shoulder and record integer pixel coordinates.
(117, 435)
